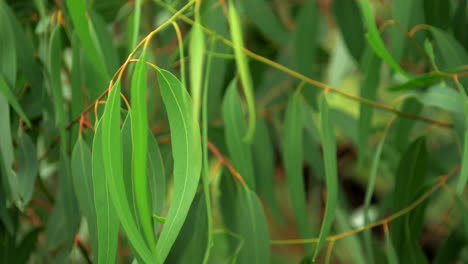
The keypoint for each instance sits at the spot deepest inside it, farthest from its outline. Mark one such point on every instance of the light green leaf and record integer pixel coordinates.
(443, 97)
(139, 115)
(374, 39)
(243, 68)
(197, 45)
(112, 159)
(186, 150)
(292, 160)
(418, 82)
(329, 156)
(107, 221)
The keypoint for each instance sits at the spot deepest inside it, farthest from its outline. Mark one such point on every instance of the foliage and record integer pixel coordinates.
(254, 131)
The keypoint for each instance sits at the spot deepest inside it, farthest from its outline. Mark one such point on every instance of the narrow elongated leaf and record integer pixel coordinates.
(306, 42)
(409, 183)
(329, 156)
(192, 240)
(157, 180)
(82, 25)
(186, 150)
(374, 39)
(82, 174)
(112, 159)
(418, 82)
(351, 26)
(27, 167)
(264, 160)
(135, 24)
(7, 47)
(239, 151)
(197, 44)
(464, 170)
(371, 68)
(107, 221)
(404, 12)
(404, 125)
(437, 13)
(392, 256)
(139, 115)
(292, 160)
(444, 97)
(266, 21)
(252, 227)
(9, 180)
(243, 68)
(6, 91)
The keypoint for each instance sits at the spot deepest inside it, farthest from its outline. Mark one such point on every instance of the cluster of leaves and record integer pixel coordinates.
(226, 159)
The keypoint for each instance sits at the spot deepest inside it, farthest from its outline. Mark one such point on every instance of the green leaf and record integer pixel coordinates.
(349, 21)
(107, 222)
(83, 25)
(392, 256)
(252, 227)
(9, 179)
(265, 20)
(329, 156)
(243, 68)
(418, 82)
(6, 91)
(437, 13)
(408, 186)
(239, 151)
(449, 53)
(264, 160)
(443, 97)
(292, 160)
(156, 175)
(306, 43)
(371, 68)
(374, 39)
(403, 125)
(27, 167)
(112, 159)
(186, 150)
(139, 115)
(464, 169)
(197, 45)
(135, 24)
(192, 240)
(82, 174)
(7, 47)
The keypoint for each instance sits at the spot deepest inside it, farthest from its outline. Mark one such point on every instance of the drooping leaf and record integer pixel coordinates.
(329, 156)
(139, 115)
(243, 68)
(82, 25)
(464, 170)
(409, 183)
(82, 174)
(186, 150)
(27, 167)
(374, 39)
(392, 256)
(197, 43)
(371, 68)
(418, 82)
(444, 97)
(264, 165)
(351, 26)
(252, 227)
(112, 159)
(235, 128)
(306, 42)
(292, 160)
(7, 47)
(404, 125)
(264, 18)
(191, 242)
